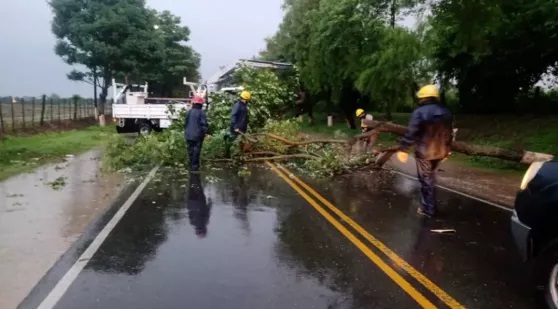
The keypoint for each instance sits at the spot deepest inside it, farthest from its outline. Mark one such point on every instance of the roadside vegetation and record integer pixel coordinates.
(20, 154)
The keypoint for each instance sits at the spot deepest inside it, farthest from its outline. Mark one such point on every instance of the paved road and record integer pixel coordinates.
(272, 240)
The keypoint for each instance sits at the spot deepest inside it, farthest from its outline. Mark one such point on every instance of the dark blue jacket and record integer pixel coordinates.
(239, 117)
(430, 130)
(195, 126)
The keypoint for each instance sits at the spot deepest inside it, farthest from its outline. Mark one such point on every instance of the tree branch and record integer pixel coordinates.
(522, 156)
(301, 143)
(284, 157)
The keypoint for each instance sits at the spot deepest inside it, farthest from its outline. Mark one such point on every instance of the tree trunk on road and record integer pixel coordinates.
(522, 156)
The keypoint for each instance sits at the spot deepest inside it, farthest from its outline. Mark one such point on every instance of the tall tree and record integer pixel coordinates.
(106, 37)
(494, 49)
(178, 59)
(389, 72)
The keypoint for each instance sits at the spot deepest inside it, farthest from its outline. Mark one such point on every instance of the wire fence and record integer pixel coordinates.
(23, 114)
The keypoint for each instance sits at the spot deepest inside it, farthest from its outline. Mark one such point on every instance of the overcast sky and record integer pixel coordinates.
(222, 31)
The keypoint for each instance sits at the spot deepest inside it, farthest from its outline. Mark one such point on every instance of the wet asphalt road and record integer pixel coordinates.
(220, 240)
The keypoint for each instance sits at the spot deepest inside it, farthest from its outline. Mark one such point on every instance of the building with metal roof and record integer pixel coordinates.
(224, 78)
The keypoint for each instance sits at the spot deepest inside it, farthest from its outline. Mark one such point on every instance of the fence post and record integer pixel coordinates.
(1, 118)
(68, 109)
(13, 117)
(75, 108)
(23, 112)
(51, 109)
(33, 113)
(43, 107)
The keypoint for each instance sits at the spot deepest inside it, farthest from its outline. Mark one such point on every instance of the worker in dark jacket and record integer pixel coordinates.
(195, 129)
(430, 131)
(239, 115)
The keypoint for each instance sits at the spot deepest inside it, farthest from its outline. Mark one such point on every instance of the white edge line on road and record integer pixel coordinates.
(458, 192)
(62, 286)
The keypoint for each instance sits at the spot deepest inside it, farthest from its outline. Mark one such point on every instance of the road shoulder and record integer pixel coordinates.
(43, 213)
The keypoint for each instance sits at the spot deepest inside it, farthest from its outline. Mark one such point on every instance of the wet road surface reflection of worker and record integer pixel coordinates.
(199, 210)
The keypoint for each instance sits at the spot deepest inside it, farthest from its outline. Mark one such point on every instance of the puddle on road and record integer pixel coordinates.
(42, 213)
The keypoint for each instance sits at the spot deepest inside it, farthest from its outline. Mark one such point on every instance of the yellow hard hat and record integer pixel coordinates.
(245, 95)
(428, 91)
(359, 112)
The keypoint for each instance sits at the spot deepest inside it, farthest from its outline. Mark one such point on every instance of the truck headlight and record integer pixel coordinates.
(530, 174)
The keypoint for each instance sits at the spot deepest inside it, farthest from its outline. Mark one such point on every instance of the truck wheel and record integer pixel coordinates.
(144, 129)
(551, 286)
(547, 276)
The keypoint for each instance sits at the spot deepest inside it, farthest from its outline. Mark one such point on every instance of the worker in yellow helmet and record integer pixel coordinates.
(430, 132)
(239, 115)
(364, 117)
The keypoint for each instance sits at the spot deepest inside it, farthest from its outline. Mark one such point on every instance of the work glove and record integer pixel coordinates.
(444, 159)
(403, 157)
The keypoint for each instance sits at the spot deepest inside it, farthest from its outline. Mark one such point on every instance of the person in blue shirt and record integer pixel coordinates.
(239, 115)
(195, 130)
(430, 131)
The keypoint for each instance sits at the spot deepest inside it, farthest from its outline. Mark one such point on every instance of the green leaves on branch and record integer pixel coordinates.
(270, 137)
(271, 98)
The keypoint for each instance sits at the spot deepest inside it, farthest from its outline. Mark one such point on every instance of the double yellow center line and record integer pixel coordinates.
(290, 178)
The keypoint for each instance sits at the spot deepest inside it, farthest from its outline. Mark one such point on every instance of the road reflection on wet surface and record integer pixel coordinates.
(223, 241)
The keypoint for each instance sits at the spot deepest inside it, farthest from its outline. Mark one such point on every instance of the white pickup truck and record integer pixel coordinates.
(134, 111)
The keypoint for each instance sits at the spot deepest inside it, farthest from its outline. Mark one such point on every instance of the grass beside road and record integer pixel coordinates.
(537, 133)
(19, 154)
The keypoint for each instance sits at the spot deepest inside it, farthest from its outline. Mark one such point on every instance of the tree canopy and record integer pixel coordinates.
(116, 38)
(492, 52)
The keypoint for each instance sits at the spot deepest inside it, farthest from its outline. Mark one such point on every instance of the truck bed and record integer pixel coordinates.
(146, 111)
(152, 100)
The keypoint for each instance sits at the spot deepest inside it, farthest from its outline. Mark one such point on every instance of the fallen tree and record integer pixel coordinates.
(252, 150)
(273, 137)
(523, 156)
